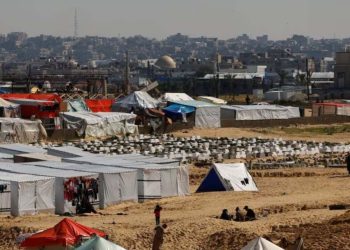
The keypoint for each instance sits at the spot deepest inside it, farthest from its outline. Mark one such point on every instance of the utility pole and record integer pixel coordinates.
(75, 23)
(127, 71)
(308, 79)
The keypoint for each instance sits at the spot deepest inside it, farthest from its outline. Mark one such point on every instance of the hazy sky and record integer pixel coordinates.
(160, 18)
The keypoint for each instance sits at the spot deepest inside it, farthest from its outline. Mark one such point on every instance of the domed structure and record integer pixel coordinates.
(166, 62)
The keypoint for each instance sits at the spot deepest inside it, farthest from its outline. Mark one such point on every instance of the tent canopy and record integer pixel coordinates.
(179, 109)
(212, 100)
(136, 100)
(65, 233)
(261, 244)
(97, 242)
(228, 177)
(174, 97)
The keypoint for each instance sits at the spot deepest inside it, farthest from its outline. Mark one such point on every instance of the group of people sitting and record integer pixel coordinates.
(249, 214)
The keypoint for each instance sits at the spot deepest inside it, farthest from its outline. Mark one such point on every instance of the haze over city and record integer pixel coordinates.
(158, 19)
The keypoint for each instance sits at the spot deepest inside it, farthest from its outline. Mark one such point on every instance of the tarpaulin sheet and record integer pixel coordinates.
(104, 105)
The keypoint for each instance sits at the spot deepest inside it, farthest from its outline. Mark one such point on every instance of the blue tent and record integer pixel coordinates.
(179, 109)
(227, 177)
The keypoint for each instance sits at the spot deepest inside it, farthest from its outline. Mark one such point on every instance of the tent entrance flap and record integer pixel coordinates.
(212, 183)
(149, 185)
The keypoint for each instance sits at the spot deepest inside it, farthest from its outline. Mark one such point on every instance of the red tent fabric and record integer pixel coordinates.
(65, 233)
(103, 105)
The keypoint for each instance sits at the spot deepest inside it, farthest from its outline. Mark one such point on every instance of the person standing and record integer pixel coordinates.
(348, 162)
(158, 237)
(157, 210)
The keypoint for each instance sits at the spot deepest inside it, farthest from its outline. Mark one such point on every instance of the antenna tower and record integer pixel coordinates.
(75, 23)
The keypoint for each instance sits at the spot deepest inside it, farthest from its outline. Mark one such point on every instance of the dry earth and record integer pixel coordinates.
(297, 206)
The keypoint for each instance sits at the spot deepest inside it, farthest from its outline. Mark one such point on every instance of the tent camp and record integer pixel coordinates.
(30, 194)
(261, 244)
(9, 109)
(258, 112)
(97, 242)
(154, 180)
(64, 180)
(114, 184)
(227, 177)
(137, 100)
(19, 130)
(64, 235)
(101, 124)
(207, 115)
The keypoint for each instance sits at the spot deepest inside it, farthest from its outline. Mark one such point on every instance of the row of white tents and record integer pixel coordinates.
(40, 186)
(208, 112)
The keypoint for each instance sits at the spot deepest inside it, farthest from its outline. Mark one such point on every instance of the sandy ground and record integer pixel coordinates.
(298, 133)
(297, 205)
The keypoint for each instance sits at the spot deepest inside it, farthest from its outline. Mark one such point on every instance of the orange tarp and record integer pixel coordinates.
(65, 233)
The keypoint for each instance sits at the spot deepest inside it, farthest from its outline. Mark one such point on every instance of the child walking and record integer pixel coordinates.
(157, 210)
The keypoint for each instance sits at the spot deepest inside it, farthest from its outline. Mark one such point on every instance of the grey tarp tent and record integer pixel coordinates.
(99, 124)
(115, 184)
(62, 203)
(30, 194)
(67, 152)
(137, 100)
(154, 180)
(258, 112)
(261, 244)
(207, 115)
(19, 130)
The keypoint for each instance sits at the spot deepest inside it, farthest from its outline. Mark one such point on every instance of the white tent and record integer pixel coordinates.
(115, 184)
(227, 177)
(207, 115)
(212, 100)
(62, 205)
(5, 196)
(30, 194)
(67, 152)
(258, 112)
(175, 97)
(100, 124)
(154, 180)
(99, 243)
(261, 244)
(17, 148)
(134, 101)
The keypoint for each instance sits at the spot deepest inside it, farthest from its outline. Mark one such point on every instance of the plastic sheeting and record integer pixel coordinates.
(258, 112)
(208, 117)
(174, 97)
(19, 130)
(136, 100)
(228, 177)
(103, 105)
(16, 148)
(9, 109)
(77, 105)
(212, 100)
(102, 124)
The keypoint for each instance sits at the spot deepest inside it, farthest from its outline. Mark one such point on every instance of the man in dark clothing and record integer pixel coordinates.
(224, 215)
(158, 237)
(239, 215)
(250, 215)
(348, 163)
